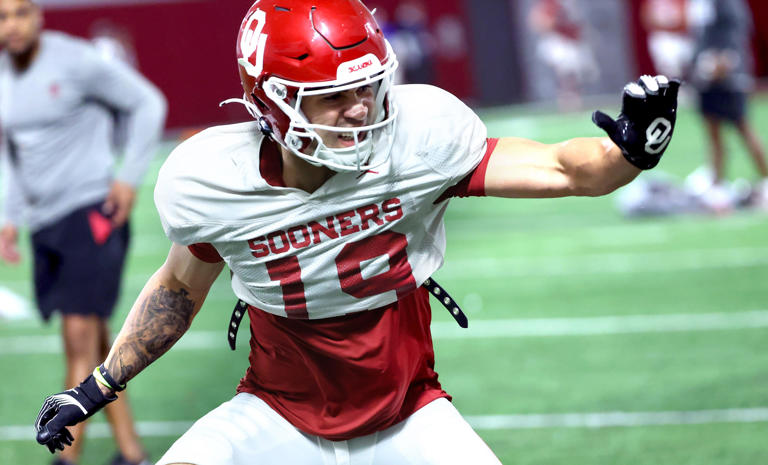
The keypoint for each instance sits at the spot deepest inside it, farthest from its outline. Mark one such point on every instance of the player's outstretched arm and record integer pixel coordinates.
(636, 140)
(160, 316)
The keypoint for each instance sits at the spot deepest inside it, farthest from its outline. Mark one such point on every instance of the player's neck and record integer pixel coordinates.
(22, 61)
(299, 174)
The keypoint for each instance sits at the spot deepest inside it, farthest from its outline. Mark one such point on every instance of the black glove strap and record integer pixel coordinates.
(642, 161)
(113, 384)
(90, 388)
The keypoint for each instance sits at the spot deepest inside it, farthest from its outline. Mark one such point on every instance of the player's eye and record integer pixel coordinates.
(363, 90)
(332, 97)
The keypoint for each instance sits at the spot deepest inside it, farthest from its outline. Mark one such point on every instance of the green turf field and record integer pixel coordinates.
(593, 339)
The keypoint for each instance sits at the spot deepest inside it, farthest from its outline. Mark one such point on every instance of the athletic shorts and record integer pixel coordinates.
(246, 431)
(723, 104)
(78, 262)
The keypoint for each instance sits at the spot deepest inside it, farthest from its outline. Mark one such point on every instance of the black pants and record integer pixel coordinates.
(78, 263)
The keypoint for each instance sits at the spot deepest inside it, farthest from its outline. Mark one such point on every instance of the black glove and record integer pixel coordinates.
(644, 127)
(66, 409)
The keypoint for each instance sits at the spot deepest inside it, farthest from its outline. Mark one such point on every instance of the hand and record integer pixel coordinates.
(644, 127)
(119, 203)
(9, 238)
(725, 64)
(67, 409)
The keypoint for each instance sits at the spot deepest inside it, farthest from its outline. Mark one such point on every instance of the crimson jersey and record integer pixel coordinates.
(340, 340)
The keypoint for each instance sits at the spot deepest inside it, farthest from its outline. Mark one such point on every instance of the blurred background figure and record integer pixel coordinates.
(722, 75)
(57, 98)
(669, 43)
(412, 42)
(389, 28)
(114, 42)
(563, 46)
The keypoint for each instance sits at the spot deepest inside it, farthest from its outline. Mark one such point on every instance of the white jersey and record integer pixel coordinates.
(360, 241)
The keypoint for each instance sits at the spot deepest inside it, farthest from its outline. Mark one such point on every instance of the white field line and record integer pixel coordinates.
(605, 325)
(613, 419)
(590, 227)
(478, 329)
(479, 422)
(569, 265)
(607, 263)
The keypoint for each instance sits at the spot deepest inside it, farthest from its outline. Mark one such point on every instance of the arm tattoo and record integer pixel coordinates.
(163, 317)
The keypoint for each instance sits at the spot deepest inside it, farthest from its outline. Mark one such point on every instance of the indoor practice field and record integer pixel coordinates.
(593, 338)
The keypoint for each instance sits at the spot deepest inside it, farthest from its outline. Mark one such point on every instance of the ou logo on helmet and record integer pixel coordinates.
(253, 41)
(658, 135)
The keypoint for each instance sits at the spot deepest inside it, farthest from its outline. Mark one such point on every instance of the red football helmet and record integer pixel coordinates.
(288, 49)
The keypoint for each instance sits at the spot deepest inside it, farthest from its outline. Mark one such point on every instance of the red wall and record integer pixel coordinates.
(639, 38)
(760, 43)
(186, 48)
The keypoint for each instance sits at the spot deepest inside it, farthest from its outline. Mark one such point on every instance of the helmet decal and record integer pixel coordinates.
(360, 67)
(253, 42)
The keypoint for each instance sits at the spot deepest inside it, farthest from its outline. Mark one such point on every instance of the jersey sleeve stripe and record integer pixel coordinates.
(473, 184)
(477, 181)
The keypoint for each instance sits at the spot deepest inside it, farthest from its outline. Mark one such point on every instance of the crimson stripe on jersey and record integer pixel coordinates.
(205, 252)
(473, 184)
(347, 376)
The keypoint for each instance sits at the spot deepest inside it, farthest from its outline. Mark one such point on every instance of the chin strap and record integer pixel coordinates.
(241, 308)
(252, 109)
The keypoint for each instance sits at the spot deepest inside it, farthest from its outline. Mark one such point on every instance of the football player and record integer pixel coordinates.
(57, 99)
(328, 210)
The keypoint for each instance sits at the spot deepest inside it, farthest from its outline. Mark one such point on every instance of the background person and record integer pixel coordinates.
(669, 41)
(563, 45)
(722, 75)
(57, 95)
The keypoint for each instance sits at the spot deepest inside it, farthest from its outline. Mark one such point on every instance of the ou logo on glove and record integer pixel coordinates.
(658, 135)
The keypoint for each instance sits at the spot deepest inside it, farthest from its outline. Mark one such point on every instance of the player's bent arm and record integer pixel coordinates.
(162, 313)
(524, 168)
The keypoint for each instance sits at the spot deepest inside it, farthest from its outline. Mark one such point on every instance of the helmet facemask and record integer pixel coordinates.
(303, 139)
